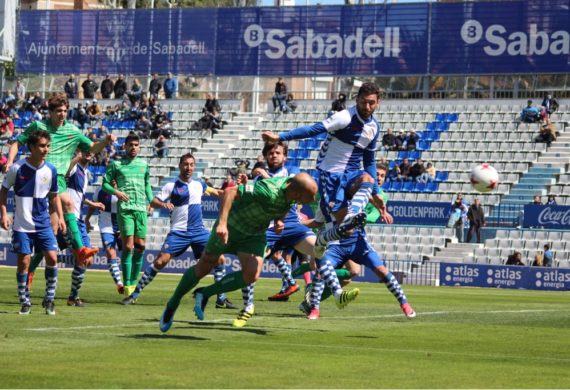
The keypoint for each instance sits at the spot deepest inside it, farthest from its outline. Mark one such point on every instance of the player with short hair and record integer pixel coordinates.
(65, 139)
(183, 197)
(132, 176)
(34, 181)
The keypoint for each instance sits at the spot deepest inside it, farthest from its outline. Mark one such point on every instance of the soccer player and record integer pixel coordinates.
(133, 191)
(65, 138)
(34, 181)
(357, 249)
(183, 197)
(109, 230)
(350, 145)
(245, 213)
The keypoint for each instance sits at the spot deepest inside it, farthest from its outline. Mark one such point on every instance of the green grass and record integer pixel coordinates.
(462, 338)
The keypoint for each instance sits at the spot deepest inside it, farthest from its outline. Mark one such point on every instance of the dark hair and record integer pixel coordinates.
(57, 100)
(369, 89)
(269, 146)
(546, 246)
(132, 137)
(382, 167)
(35, 137)
(185, 156)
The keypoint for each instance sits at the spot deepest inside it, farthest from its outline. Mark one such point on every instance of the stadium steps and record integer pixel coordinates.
(558, 155)
(455, 252)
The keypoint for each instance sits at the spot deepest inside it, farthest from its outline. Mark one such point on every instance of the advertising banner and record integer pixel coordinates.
(547, 216)
(419, 213)
(499, 276)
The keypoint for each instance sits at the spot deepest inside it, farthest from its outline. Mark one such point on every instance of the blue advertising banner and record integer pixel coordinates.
(479, 275)
(547, 216)
(419, 213)
(500, 37)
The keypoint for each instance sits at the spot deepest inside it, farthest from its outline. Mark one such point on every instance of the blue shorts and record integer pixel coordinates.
(291, 236)
(346, 181)
(177, 242)
(64, 241)
(25, 243)
(112, 240)
(333, 189)
(360, 252)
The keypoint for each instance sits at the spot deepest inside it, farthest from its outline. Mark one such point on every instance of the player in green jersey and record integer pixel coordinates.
(133, 191)
(65, 139)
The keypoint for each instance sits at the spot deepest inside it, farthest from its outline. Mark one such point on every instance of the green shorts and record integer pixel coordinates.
(132, 223)
(238, 242)
(61, 184)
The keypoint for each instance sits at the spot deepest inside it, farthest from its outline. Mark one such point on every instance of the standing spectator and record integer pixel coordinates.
(160, 147)
(154, 86)
(279, 96)
(71, 87)
(107, 86)
(120, 87)
(89, 87)
(551, 200)
(548, 256)
(417, 170)
(389, 140)
(476, 218)
(339, 104)
(136, 91)
(20, 90)
(515, 259)
(170, 86)
(412, 140)
(458, 216)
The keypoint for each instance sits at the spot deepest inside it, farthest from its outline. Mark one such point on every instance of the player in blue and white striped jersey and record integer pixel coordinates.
(34, 181)
(183, 197)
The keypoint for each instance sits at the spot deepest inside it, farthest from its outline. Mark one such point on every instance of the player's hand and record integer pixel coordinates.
(61, 226)
(269, 136)
(386, 217)
(278, 226)
(88, 226)
(111, 138)
(121, 195)
(6, 168)
(149, 210)
(222, 233)
(168, 206)
(6, 222)
(98, 205)
(242, 179)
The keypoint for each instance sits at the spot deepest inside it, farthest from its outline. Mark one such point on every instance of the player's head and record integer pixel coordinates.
(132, 145)
(187, 164)
(381, 172)
(84, 157)
(39, 143)
(57, 107)
(367, 100)
(302, 188)
(275, 154)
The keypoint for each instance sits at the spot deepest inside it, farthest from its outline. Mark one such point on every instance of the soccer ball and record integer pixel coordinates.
(484, 178)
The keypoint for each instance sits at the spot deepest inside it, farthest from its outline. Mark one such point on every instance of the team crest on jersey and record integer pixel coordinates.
(44, 179)
(166, 246)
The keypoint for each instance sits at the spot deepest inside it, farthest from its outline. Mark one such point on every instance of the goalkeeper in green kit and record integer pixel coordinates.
(133, 191)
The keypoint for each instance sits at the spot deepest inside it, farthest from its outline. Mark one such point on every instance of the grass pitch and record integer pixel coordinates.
(462, 338)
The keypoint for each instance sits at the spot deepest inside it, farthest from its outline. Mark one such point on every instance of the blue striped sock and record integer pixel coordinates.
(361, 198)
(22, 279)
(77, 277)
(327, 272)
(51, 282)
(147, 277)
(285, 270)
(317, 289)
(395, 288)
(115, 271)
(247, 295)
(219, 273)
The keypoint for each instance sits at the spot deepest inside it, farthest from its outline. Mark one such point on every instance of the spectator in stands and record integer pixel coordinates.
(110, 113)
(12, 110)
(405, 167)
(107, 86)
(229, 181)
(515, 259)
(428, 175)
(71, 87)
(82, 118)
(551, 199)
(161, 147)
(550, 104)
(206, 180)
(538, 260)
(20, 90)
(290, 103)
(401, 141)
(161, 126)
(135, 94)
(529, 114)
(394, 174)
(416, 170)
(89, 87)
(547, 133)
(154, 86)
(35, 101)
(6, 124)
(211, 105)
(170, 86)
(537, 200)
(120, 87)
(8, 97)
(279, 96)
(458, 217)
(548, 256)
(338, 104)
(411, 140)
(36, 116)
(476, 217)
(94, 111)
(143, 126)
(389, 140)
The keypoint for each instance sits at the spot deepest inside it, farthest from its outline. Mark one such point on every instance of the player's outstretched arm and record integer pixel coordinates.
(12, 153)
(158, 204)
(99, 146)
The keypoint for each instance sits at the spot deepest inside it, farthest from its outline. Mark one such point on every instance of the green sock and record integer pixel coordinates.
(36, 260)
(230, 282)
(326, 293)
(71, 222)
(305, 267)
(126, 266)
(342, 273)
(137, 265)
(187, 283)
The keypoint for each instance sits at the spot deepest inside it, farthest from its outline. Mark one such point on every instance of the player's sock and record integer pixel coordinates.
(395, 288)
(219, 273)
(247, 295)
(315, 297)
(51, 282)
(22, 279)
(77, 277)
(113, 266)
(230, 282)
(136, 269)
(145, 279)
(127, 266)
(71, 222)
(325, 236)
(361, 198)
(328, 273)
(303, 268)
(342, 273)
(187, 283)
(35, 261)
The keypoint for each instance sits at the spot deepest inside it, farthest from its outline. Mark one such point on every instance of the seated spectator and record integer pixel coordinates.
(401, 141)
(417, 170)
(143, 127)
(538, 260)
(405, 167)
(279, 96)
(12, 110)
(8, 97)
(411, 140)
(161, 127)
(515, 259)
(73, 112)
(547, 133)
(82, 118)
(338, 104)
(6, 125)
(389, 140)
(428, 175)
(36, 116)
(161, 147)
(211, 105)
(548, 256)
(551, 199)
(34, 101)
(101, 158)
(529, 114)
(394, 174)
(537, 200)
(110, 113)
(290, 103)
(94, 111)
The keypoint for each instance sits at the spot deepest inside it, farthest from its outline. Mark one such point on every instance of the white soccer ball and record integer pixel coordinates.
(484, 178)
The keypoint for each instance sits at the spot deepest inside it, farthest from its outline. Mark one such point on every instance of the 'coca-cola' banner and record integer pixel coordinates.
(547, 216)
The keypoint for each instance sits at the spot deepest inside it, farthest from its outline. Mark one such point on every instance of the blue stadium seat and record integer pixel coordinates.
(408, 186)
(441, 176)
(440, 117)
(453, 117)
(396, 186)
(432, 186)
(420, 187)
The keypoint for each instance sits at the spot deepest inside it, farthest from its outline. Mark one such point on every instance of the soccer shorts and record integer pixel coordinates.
(64, 240)
(177, 242)
(361, 252)
(291, 236)
(237, 242)
(25, 243)
(111, 240)
(132, 223)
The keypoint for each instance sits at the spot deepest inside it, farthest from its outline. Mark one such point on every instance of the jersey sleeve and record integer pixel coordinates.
(147, 186)
(23, 138)
(109, 176)
(338, 121)
(10, 177)
(165, 192)
(84, 142)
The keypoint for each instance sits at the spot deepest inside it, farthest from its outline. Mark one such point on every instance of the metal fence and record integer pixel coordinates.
(415, 273)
